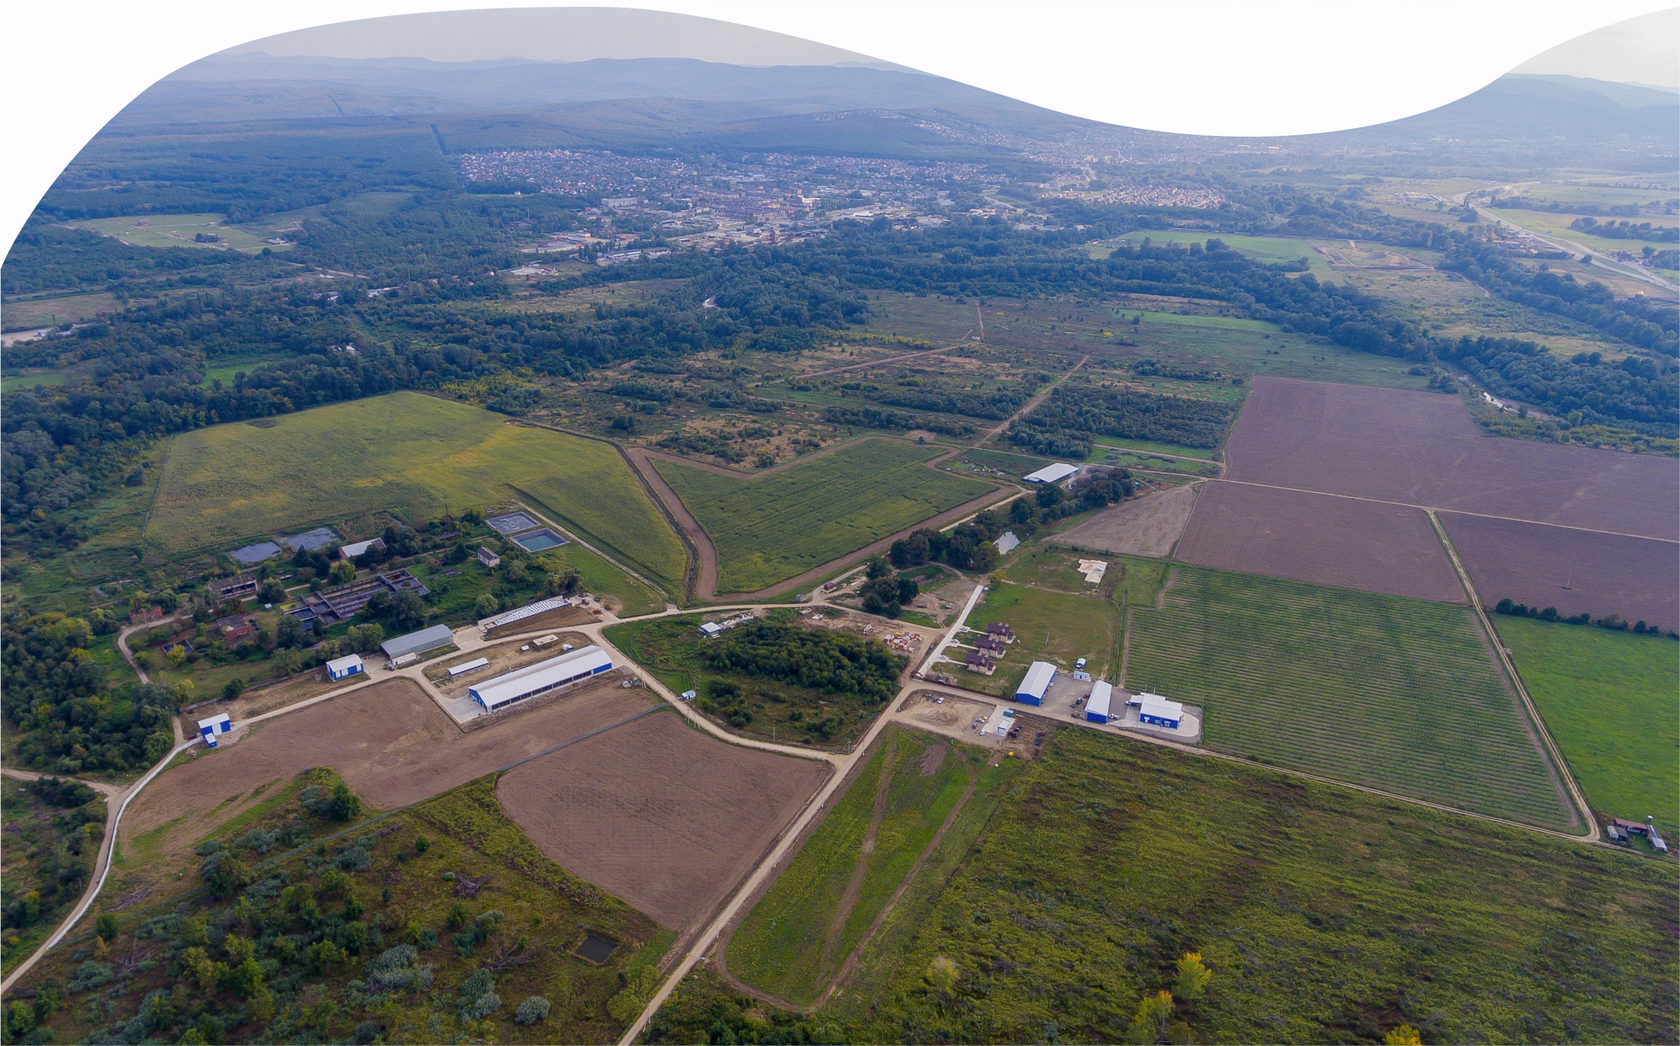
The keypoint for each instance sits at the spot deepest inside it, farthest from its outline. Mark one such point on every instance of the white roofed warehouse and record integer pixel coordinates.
(1032, 688)
(540, 678)
(1096, 709)
(1052, 473)
(418, 642)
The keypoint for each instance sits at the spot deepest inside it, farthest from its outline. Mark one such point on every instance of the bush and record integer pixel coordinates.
(531, 1011)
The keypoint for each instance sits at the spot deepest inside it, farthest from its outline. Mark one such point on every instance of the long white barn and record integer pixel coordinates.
(541, 677)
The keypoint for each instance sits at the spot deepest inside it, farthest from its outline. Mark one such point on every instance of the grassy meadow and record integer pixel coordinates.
(769, 528)
(411, 455)
(178, 230)
(1273, 250)
(1391, 693)
(797, 936)
(1325, 916)
(1608, 699)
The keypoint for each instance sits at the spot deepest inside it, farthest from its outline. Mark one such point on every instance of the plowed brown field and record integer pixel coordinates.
(1421, 448)
(658, 813)
(1317, 538)
(1604, 573)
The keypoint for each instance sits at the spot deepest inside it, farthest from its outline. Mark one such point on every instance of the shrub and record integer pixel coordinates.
(532, 1010)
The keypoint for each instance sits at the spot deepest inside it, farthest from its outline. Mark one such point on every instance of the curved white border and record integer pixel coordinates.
(1193, 66)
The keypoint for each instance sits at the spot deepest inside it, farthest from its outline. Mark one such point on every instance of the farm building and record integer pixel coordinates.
(1156, 710)
(1032, 688)
(353, 550)
(209, 728)
(1052, 473)
(418, 642)
(1096, 709)
(471, 666)
(710, 630)
(240, 587)
(344, 667)
(488, 558)
(541, 606)
(1620, 829)
(541, 677)
(235, 630)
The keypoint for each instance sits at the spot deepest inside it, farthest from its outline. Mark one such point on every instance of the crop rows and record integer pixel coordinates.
(769, 528)
(1380, 691)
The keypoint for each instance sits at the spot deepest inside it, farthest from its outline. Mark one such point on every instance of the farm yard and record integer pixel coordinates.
(1319, 539)
(1608, 700)
(1421, 448)
(773, 526)
(657, 812)
(1390, 693)
(1576, 571)
(1050, 625)
(389, 741)
(411, 455)
(838, 891)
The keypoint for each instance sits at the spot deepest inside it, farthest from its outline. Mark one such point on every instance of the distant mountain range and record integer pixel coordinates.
(665, 102)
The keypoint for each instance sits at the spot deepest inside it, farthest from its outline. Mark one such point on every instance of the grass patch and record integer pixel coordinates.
(1391, 693)
(1608, 699)
(1272, 250)
(408, 454)
(770, 528)
(26, 378)
(789, 944)
(178, 230)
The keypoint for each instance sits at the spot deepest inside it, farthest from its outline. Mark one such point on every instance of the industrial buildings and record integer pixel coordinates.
(1096, 709)
(556, 672)
(418, 642)
(1032, 688)
(1155, 710)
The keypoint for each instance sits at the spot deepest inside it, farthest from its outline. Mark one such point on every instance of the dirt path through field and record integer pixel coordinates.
(1031, 405)
(854, 888)
(855, 960)
(882, 362)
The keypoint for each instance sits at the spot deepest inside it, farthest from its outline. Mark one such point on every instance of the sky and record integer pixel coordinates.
(1639, 50)
(1228, 67)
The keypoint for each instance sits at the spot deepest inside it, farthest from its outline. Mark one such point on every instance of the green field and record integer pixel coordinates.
(1325, 916)
(1608, 700)
(177, 230)
(26, 378)
(796, 937)
(1380, 691)
(1270, 249)
(769, 528)
(408, 454)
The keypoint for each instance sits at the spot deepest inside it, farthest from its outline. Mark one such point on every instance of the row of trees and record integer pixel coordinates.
(1613, 622)
(1064, 424)
(970, 546)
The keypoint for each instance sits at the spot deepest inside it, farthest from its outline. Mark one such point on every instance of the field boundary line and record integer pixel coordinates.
(1559, 766)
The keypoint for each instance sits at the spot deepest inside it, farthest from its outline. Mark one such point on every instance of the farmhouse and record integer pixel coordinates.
(1032, 688)
(1052, 473)
(344, 667)
(418, 642)
(1096, 709)
(541, 677)
(1156, 710)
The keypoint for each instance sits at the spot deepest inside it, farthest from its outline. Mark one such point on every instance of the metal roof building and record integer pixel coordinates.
(1052, 473)
(344, 667)
(1032, 688)
(541, 677)
(1096, 709)
(1158, 711)
(418, 642)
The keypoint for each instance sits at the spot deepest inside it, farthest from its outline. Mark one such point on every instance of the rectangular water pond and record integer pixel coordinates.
(255, 553)
(595, 948)
(537, 540)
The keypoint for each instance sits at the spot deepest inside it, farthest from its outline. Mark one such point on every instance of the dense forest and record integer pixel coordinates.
(817, 658)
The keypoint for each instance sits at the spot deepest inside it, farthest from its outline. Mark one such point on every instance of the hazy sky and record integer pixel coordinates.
(1640, 50)
(551, 34)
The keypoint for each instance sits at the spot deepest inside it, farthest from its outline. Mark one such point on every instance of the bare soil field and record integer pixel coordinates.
(658, 813)
(1604, 573)
(1317, 538)
(1148, 526)
(1421, 448)
(389, 742)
